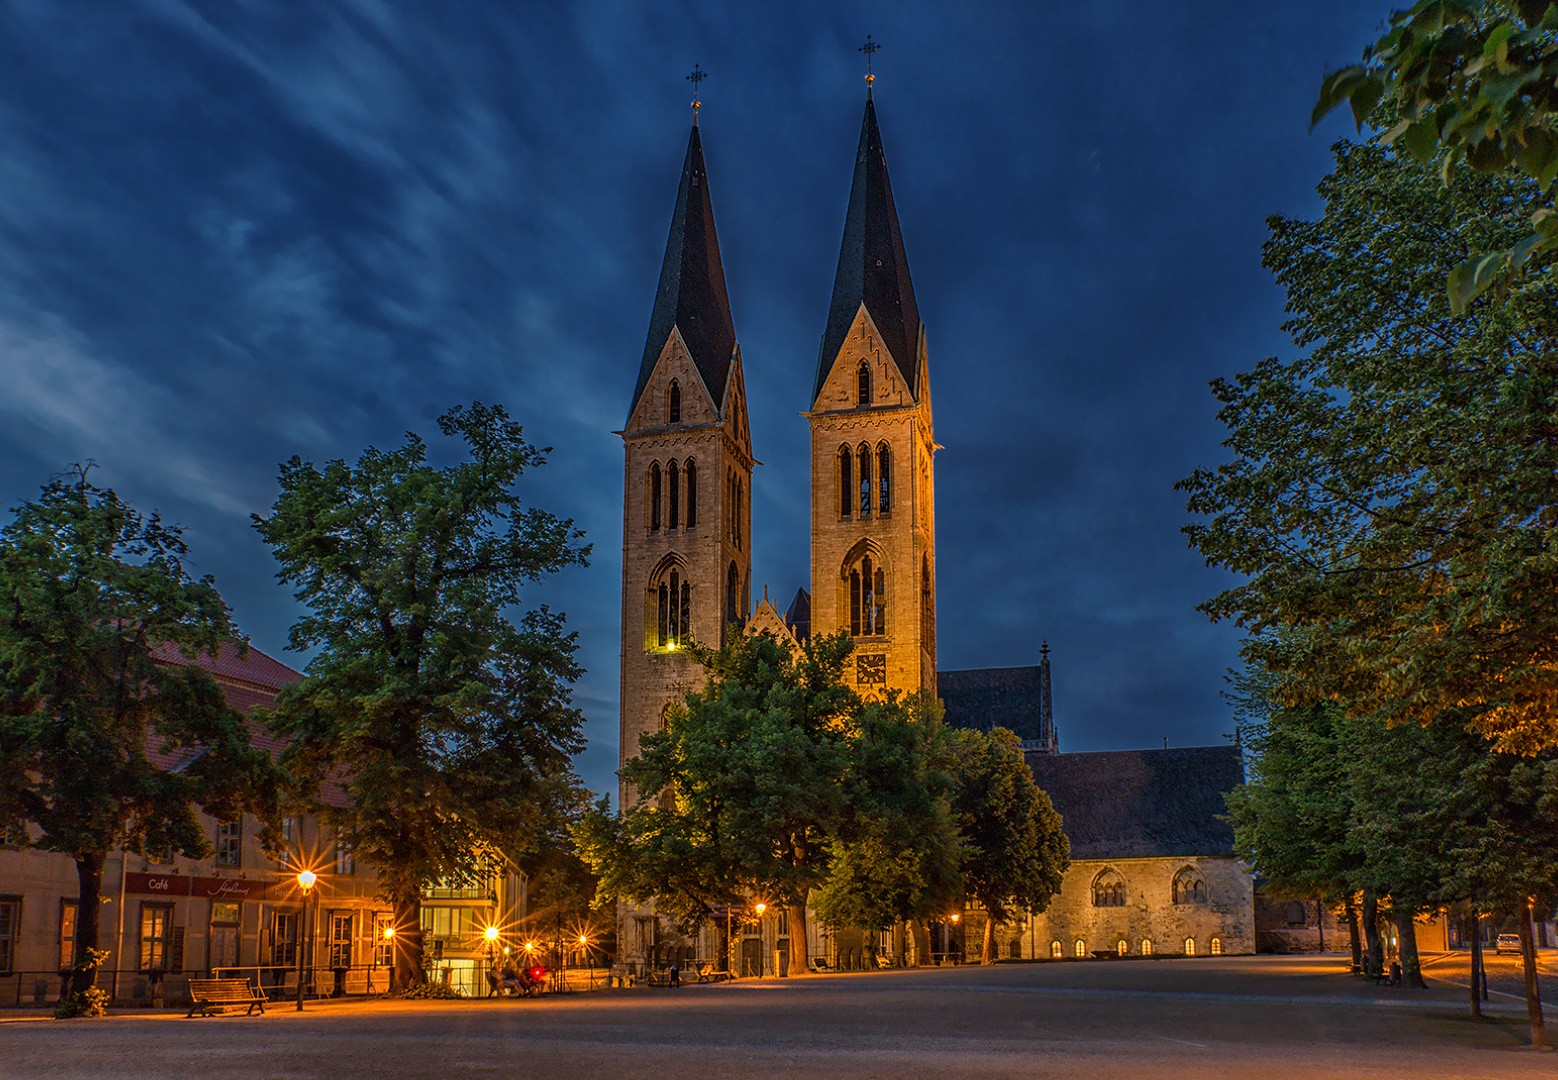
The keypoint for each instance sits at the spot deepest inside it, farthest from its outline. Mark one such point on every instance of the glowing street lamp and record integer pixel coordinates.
(306, 880)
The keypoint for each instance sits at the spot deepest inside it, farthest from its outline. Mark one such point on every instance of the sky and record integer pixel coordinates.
(236, 231)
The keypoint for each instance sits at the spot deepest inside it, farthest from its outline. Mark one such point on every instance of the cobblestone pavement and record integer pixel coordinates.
(1265, 1017)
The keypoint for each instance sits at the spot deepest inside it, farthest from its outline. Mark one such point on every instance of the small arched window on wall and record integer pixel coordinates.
(675, 403)
(1054, 950)
(1217, 947)
(673, 483)
(1190, 946)
(691, 472)
(733, 594)
(867, 599)
(1081, 948)
(864, 456)
(863, 378)
(673, 612)
(654, 496)
(846, 482)
(884, 479)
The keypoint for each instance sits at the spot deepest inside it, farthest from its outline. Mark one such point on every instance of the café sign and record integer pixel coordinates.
(214, 888)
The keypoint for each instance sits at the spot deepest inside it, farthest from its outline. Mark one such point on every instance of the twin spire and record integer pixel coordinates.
(873, 270)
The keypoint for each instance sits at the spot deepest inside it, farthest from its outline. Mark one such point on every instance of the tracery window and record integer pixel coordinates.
(691, 472)
(867, 599)
(733, 594)
(673, 609)
(676, 403)
(673, 483)
(654, 496)
(884, 479)
(865, 480)
(1108, 890)
(1189, 887)
(846, 483)
(863, 377)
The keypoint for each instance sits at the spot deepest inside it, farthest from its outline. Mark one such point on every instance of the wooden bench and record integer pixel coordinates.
(707, 974)
(219, 995)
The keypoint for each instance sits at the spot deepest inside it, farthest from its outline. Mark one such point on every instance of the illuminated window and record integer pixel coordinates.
(1081, 948)
(673, 609)
(846, 483)
(1190, 946)
(867, 598)
(690, 471)
(1146, 946)
(863, 378)
(67, 934)
(1122, 947)
(156, 930)
(1108, 890)
(1217, 946)
(676, 402)
(1055, 951)
(383, 943)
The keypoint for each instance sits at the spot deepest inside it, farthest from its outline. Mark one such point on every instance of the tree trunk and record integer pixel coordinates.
(1406, 934)
(1357, 938)
(408, 970)
(1533, 992)
(1372, 935)
(89, 912)
(800, 963)
(1474, 923)
(921, 932)
(987, 954)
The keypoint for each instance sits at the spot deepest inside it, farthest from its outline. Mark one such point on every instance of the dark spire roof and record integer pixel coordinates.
(692, 293)
(873, 268)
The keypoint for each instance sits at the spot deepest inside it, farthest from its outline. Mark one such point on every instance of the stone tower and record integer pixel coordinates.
(686, 522)
(873, 517)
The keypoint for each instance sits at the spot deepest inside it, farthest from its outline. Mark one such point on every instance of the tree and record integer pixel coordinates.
(1472, 81)
(439, 716)
(743, 790)
(101, 745)
(1394, 494)
(1014, 850)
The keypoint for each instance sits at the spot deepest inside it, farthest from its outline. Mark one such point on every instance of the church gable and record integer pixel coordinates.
(675, 393)
(842, 388)
(767, 620)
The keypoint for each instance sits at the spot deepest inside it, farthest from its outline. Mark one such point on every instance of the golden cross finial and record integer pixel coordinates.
(697, 76)
(869, 48)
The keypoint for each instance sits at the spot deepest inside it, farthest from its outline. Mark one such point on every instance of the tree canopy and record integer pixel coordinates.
(103, 745)
(436, 700)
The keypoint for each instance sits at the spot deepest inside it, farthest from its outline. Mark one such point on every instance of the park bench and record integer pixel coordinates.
(820, 964)
(206, 995)
(659, 978)
(707, 974)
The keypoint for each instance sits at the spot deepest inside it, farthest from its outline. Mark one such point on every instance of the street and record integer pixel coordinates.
(1266, 1017)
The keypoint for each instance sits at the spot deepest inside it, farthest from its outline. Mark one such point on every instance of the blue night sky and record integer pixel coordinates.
(231, 232)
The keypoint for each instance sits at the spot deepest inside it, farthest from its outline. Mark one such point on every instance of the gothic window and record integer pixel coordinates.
(884, 479)
(654, 496)
(1146, 946)
(867, 598)
(691, 472)
(1189, 887)
(1217, 946)
(1190, 946)
(846, 483)
(1297, 914)
(1122, 947)
(1054, 950)
(733, 594)
(1080, 948)
(864, 457)
(676, 402)
(1108, 890)
(673, 484)
(673, 609)
(863, 376)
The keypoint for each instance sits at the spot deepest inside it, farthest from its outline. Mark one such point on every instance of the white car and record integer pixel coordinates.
(1507, 943)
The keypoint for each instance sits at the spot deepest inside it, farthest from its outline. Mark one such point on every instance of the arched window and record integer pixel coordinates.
(1217, 946)
(676, 403)
(1054, 950)
(863, 377)
(864, 458)
(654, 495)
(846, 483)
(1108, 890)
(1189, 887)
(884, 479)
(691, 472)
(733, 608)
(673, 609)
(1081, 948)
(740, 507)
(1298, 914)
(1122, 947)
(927, 606)
(867, 598)
(1146, 946)
(1190, 946)
(673, 483)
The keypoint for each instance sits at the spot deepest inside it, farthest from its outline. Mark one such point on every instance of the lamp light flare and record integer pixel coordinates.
(491, 933)
(306, 879)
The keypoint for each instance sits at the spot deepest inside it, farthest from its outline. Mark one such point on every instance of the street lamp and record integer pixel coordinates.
(306, 879)
(760, 908)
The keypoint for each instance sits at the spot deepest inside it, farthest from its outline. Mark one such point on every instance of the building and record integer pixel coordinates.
(239, 912)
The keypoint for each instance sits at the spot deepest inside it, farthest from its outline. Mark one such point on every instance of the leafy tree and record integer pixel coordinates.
(1394, 493)
(743, 790)
(1472, 81)
(441, 717)
(101, 745)
(561, 889)
(1014, 850)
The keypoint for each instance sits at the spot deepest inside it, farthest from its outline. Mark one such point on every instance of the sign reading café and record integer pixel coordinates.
(213, 888)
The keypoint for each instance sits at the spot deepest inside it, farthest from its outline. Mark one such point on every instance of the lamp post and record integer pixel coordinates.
(491, 934)
(306, 879)
(761, 907)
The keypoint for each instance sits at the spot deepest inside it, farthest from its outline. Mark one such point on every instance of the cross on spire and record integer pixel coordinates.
(869, 48)
(697, 76)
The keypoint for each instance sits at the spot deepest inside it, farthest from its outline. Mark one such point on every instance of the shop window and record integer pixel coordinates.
(229, 843)
(10, 928)
(156, 937)
(68, 911)
(225, 921)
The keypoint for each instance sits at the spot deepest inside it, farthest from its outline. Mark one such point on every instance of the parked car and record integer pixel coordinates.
(1507, 943)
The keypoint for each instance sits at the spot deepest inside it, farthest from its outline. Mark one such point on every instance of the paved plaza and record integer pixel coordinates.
(1266, 1017)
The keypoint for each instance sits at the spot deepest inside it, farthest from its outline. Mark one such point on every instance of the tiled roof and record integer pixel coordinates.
(247, 682)
(1142, 803)
(985, 698)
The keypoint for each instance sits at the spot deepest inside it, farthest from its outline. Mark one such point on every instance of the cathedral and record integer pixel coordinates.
(687, 522)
